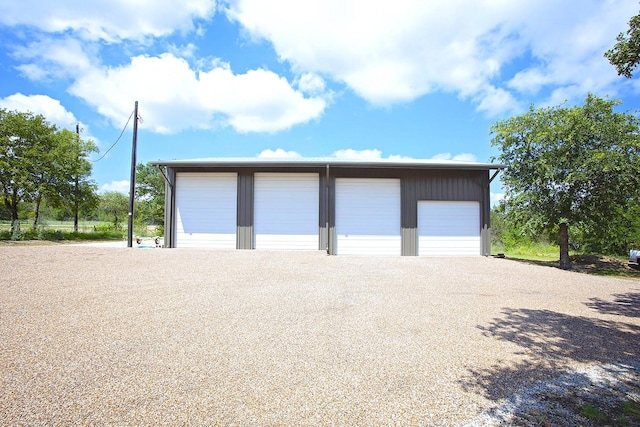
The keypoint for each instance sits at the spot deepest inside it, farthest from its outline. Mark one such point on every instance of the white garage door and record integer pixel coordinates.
(448, 228)
(286, 207)
(206, 206)
(368, 216)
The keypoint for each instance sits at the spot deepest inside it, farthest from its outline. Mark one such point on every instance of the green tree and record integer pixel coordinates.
(76, 189)
(569, 166)
(625, 54)
(505, 235)
(615, 236)
(4, 213)
(64, 178)
(115, 206)
(25, 140)
(150, 185)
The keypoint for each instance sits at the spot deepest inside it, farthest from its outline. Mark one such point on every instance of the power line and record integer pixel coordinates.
(114, 144)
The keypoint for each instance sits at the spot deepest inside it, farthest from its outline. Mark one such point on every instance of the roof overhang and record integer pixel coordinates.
(230, 162)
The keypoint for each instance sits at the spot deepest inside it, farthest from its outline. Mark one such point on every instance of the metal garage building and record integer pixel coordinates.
(381, 207)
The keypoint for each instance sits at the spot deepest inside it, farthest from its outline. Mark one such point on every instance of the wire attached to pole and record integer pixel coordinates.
(117, 140)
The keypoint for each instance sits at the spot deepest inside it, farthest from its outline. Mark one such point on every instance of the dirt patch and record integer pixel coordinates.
(594, 264)
(604, 265)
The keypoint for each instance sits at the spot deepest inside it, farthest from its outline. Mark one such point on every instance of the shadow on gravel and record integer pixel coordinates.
(557, 337)
(543, 389)
(623, 305)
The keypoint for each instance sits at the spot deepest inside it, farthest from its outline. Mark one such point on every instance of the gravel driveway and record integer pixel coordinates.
(97, 336)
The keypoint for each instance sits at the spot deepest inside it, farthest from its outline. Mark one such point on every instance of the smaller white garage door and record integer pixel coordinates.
(368, 216)
(448, 228)
(286, 209)
(206, 205)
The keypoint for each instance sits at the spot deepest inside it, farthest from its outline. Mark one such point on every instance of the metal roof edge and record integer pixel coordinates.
(323, 162)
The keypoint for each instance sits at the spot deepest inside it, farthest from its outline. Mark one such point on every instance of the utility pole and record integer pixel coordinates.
(76, 196)
(132, 187)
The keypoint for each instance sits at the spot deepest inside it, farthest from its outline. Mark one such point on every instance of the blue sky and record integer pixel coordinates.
(345, 78)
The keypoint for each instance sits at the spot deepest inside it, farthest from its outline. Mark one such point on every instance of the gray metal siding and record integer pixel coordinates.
(442, 185)
(244, 234)
(446, 186)
(343, 172)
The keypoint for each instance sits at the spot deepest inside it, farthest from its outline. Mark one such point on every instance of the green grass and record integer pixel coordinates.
(534, 252)
(632, 410)
(83, 226)
(548, 255)
(625, 415)
(593, 413)
(59, 235)
(55, 231)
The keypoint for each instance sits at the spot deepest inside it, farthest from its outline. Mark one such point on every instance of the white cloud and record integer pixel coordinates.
(529, 81)
(462, 157)
(119, 186)
(399, 157)
(384, 53)
(33, 72)
(358, 154)
(311, 83)
(494, 101)
(110, 20)
(50, 108)
(368, 154)
(185, 51)
(465, 157)
(348, 153)
(396, 53)
(496, 198)
(571, 61)
(53, 58)
(278, 153)
(173, 96)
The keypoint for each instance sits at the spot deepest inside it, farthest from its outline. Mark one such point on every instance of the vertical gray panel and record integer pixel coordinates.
(323, 220)
(332, 241)
(244, 234)
(170, 209)
(332, 215)
(409, 241)
(485, 241)
(409, 215)
(485, 213)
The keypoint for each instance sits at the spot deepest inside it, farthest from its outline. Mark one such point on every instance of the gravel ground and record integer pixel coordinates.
(97, 336)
